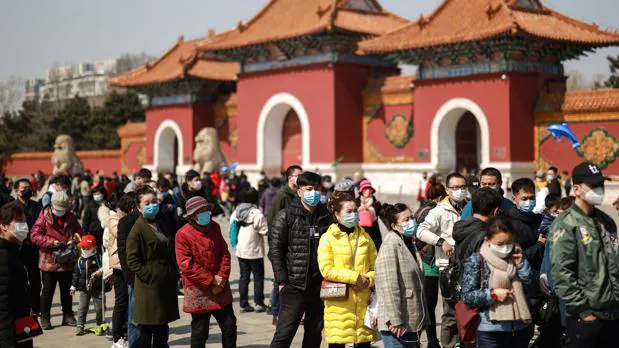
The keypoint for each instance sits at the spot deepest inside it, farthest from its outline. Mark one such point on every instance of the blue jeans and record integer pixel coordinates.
(133, 332)
(503, 339)
(408, 340)
(275, 299)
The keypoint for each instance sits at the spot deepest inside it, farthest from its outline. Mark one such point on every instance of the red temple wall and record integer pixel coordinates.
(25, 163)
(563, 156)
(182, 115)
(490, 92)
(312, 85)
(376, 132)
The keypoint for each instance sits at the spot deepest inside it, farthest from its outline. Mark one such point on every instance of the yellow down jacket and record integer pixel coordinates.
(344, 318)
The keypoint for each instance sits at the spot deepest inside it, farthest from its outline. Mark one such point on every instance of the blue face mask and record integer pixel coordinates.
(550, 177)
(526, 206)
(409, 229)
(204, 218)
(98, 198)
(151, 211)
(350, 220)
(323, 199)
(311, 198)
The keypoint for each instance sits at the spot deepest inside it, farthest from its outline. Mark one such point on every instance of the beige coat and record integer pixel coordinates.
(112, 249)
(439, 223)
(399, 286)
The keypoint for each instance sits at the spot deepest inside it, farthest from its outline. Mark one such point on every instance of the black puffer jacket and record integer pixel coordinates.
(293, 247)
(83, 271)
(527, 234)
(468, 234)
(14, 292)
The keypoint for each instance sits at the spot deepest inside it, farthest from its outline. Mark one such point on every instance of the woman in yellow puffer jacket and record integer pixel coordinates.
(343, 244)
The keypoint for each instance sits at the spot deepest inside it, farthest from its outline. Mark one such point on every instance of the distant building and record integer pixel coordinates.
(33, 88)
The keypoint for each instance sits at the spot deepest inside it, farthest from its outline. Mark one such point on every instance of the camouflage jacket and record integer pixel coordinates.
(585, 263)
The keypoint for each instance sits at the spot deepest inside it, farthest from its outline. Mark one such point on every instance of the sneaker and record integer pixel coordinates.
(45, 322)
(68, 319)
(261, 308)
(121, 343)
(274, 321)
(247, 309)
(80, 331)
(269, 310)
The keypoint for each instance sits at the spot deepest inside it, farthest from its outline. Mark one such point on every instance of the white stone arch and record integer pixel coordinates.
(270, 127)
(443, 133)
(164, 146)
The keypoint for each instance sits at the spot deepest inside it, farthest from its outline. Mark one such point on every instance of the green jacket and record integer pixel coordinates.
(585, 263)
(153, 263)
(282, 200)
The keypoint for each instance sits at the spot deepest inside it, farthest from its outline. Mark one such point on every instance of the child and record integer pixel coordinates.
(552, 203)
(87, 280)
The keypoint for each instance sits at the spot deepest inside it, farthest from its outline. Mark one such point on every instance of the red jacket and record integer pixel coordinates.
(201, 256)
(46, 230)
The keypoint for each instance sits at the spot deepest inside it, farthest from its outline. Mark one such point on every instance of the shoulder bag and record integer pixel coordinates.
(337, 291)
(467, 318)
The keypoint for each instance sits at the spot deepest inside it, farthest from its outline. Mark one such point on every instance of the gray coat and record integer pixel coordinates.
(399, 286)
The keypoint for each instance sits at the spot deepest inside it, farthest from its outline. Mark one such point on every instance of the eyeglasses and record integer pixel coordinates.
(456, 187)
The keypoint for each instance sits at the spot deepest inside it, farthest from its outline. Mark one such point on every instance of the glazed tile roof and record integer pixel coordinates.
(602, 100)
(285, 19)
(179, 62)
(457, 21)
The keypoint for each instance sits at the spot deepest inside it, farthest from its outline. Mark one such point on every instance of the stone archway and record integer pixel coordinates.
(443, 134)
(168, 147)
(269, 145)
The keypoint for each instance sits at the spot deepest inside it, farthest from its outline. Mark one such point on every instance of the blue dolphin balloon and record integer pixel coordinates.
(562, 130)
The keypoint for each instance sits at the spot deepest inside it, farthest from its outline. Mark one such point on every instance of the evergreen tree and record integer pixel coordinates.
(613, 80)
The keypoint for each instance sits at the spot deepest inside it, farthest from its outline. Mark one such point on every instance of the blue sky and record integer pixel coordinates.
(35, 34)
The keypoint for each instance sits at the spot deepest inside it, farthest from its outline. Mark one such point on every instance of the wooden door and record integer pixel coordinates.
(292, 141)
(466, 143)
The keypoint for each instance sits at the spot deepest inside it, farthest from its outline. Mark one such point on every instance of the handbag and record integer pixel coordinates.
(27, 328)
(66, 254)
(334, 290)
(365, 218)
(467, 318)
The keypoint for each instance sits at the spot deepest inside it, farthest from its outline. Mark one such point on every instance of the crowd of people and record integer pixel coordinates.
(502, 265)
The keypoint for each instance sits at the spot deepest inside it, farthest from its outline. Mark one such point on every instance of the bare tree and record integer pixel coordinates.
(11, 93)
(575, 81)
(130, 61)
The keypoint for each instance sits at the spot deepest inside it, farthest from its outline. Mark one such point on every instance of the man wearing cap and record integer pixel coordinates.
(53, 231)
(585, 263)
(204, 260)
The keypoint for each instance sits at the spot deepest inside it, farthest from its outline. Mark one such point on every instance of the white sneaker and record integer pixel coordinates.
(121, 343)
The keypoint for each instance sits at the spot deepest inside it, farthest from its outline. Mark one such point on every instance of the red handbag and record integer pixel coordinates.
(27, 328)
(467, 318)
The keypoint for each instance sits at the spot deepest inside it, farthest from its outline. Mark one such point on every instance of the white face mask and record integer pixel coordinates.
(458, 195)
(59, 213)
(88, 253)
(502, 251)
(595, 196)
(21, 231)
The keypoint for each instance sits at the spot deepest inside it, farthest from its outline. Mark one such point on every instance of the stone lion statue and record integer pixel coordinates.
(207, 155)
(64, 159)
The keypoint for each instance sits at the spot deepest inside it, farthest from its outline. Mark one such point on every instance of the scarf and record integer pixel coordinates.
(503, 276)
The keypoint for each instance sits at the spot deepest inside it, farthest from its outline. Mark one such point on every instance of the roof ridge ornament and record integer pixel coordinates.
(491, 11)
(322, 11)
(422, 22)
(241, 26)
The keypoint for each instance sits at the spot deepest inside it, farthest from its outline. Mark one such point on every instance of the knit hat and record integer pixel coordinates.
(194, 204)
(88, 241)
(344, 185)
(364, 184)
(60, 201)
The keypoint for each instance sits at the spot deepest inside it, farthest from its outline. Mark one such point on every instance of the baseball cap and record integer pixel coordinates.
(60, 201)
(588, 173)
(88, 241)
(194, 204)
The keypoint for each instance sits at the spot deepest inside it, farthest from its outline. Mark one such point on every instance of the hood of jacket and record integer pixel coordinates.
(463, 229)
(243, 211)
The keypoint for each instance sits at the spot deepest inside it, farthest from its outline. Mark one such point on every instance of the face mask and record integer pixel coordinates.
(350, 220)
(21, 231)
(323, 199)
(526, 206)
(550, 177)
(26, 194)
(204, 218)
(196, 185)
(86, 253)
(52, 189)
(554, 215)
(58, 213)
(311, 198)
(410, 228)
(595, 196)
(151, 211)
(502, 251)
(98, 198)
(458, 195)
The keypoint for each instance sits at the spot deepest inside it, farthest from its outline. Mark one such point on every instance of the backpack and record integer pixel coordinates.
(449, 282)
(234, 233)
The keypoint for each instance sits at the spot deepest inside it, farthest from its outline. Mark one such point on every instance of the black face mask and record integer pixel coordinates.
(26, 194)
